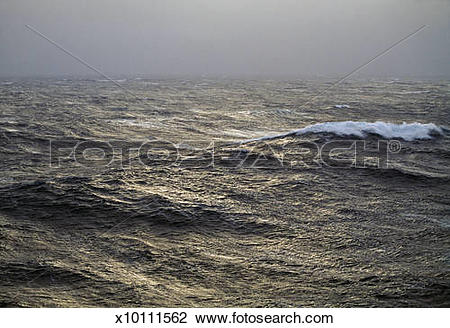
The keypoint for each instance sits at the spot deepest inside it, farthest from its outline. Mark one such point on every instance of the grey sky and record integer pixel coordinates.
(225, 37)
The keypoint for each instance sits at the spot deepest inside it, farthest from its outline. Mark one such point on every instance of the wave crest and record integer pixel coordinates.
(405, 131)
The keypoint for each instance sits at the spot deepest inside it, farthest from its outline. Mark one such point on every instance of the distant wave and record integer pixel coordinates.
(414, 92)
(405, 131)
(106, 80)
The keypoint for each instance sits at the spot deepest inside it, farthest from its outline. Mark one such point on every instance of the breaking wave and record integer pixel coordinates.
(405, 131)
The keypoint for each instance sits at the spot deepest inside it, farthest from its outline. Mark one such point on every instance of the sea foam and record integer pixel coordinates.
(405, 131)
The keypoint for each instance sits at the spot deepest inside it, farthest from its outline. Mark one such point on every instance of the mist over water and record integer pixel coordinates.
(246, 38)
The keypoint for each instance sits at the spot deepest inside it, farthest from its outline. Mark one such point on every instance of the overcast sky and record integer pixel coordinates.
(225, 37)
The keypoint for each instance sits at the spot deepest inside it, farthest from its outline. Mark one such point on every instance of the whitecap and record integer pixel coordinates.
(405, 131)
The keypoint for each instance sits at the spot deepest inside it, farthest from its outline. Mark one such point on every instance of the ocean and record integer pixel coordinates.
(224, 193)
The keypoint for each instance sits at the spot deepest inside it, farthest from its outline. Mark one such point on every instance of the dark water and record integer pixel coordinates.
(257, 224)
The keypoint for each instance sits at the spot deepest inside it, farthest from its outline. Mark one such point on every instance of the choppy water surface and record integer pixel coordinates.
(262, 224)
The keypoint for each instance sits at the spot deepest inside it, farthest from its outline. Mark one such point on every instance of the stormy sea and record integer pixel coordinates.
(145, 192)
